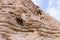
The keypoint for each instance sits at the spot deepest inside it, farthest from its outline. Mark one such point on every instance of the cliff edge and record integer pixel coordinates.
(23, 20)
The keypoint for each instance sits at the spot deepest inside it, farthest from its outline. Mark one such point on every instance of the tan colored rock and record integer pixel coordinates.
(23, 20)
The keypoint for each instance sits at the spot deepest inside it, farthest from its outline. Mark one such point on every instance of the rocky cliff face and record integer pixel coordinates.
(23, 20)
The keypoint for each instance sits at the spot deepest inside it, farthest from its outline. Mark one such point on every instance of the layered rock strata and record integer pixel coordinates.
(23, 20)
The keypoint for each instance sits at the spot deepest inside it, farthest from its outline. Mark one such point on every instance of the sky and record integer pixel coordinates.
(50, 6)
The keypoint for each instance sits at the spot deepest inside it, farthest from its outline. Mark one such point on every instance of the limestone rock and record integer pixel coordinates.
(23, 20)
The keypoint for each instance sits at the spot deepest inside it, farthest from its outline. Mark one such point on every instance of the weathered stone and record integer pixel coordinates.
(23, 20)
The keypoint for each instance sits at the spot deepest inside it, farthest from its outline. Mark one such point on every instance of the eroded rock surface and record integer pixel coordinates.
(23, 20)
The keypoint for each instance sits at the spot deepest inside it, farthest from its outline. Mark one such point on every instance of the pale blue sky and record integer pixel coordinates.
(50, 6)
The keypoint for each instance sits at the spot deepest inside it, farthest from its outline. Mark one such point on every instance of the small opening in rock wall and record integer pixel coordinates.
(10, 4)
(11, 12)
(19, 21)
(39, 12)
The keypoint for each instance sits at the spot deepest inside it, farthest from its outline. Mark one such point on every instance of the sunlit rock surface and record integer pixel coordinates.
(23, 20)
